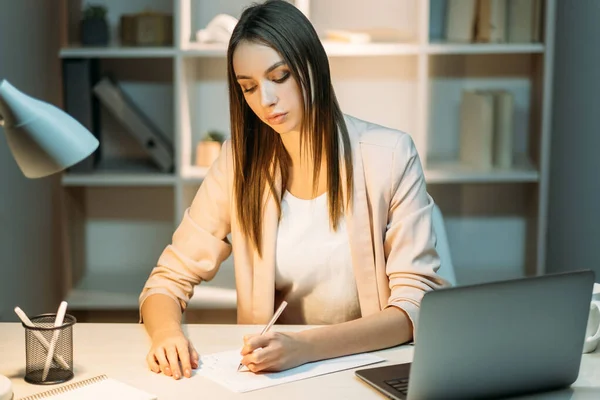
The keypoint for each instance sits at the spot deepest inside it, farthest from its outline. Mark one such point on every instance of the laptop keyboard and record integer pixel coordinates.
(401, 385)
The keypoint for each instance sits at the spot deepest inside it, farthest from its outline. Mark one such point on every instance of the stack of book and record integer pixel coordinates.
(487, 129)
(491, 21)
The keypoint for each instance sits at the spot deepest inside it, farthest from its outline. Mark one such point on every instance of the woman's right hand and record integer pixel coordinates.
(169, 349)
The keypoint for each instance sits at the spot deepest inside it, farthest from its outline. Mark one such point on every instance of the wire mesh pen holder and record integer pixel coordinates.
(38, 340)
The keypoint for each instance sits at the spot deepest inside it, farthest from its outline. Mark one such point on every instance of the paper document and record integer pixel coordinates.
(222, 368)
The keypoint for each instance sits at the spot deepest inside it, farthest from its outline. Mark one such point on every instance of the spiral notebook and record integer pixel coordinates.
(96, 388)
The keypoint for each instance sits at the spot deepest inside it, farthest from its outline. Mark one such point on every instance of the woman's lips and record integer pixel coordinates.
(276, 119)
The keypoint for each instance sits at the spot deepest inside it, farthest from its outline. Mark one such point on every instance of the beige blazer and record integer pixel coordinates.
(389, 229)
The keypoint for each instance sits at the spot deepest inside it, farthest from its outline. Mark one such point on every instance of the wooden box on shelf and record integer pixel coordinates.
(147, 29)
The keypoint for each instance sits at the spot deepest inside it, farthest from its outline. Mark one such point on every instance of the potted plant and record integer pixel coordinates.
(94, 27)
(208, 148)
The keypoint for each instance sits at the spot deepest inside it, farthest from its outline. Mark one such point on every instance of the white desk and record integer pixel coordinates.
(119, 350)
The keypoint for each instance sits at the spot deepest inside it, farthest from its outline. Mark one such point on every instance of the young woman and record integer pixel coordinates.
(325, 211)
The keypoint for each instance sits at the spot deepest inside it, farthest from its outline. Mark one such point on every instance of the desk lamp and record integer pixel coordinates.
(43, 140)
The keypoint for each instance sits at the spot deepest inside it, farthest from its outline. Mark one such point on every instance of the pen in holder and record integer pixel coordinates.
(36, 351)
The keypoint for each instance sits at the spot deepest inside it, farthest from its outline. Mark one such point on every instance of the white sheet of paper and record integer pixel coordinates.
(222, 368)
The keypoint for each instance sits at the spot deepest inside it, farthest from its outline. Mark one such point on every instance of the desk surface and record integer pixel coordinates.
(119, 350)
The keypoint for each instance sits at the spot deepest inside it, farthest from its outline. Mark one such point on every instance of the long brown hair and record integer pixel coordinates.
(258, 151)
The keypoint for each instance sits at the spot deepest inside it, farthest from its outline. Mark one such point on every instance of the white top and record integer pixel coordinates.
(313, 270)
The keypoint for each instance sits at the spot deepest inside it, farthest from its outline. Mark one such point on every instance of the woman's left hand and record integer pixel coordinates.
(274, 351)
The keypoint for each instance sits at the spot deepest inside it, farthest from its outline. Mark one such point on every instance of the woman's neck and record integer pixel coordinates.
(302, 169)
(291, 142)
(301, 158)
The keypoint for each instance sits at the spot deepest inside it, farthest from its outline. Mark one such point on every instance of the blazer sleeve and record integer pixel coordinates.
(199, 244)
(411, 257)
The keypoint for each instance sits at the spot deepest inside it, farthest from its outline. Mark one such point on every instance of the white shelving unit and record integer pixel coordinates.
(120, 221)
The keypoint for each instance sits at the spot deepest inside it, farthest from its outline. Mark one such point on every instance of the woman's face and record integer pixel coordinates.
(268, 86)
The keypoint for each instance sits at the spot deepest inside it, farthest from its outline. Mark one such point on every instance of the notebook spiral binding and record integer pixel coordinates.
(66, 388)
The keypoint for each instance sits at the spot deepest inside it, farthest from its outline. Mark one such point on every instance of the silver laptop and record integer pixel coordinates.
(494, 339)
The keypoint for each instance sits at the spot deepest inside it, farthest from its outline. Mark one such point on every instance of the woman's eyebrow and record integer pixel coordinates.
(271, 68)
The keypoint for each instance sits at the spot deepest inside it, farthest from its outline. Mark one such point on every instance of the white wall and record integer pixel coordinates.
(574, 214)
(29, 42)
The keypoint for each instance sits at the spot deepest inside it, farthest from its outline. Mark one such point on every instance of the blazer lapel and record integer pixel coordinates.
(263, 291)
(360, 233)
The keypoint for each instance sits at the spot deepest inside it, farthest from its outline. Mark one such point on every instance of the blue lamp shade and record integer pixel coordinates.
(42, 138)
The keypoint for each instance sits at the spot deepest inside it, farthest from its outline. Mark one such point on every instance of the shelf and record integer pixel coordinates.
(454, 172)
(117, 179)
(336, 49)
(205, 49)
(483, 48)
(115, 172)
(333, 49)
(117, 52)
(121, 290)
(439, 172)
(194, 174)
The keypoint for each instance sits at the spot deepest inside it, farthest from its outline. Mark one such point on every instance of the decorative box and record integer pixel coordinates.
(147, 29)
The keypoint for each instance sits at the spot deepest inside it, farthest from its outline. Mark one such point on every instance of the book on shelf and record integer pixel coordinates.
(503, 129)
(487, 128)
(524, 21)
(461, 16)
(437, 19)
(137, 124)
(491, 21)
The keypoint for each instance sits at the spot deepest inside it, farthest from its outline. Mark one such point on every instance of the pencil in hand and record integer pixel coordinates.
(270, 324)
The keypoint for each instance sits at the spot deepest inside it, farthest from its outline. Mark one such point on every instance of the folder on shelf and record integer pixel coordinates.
(79, 78)
(137, 124)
